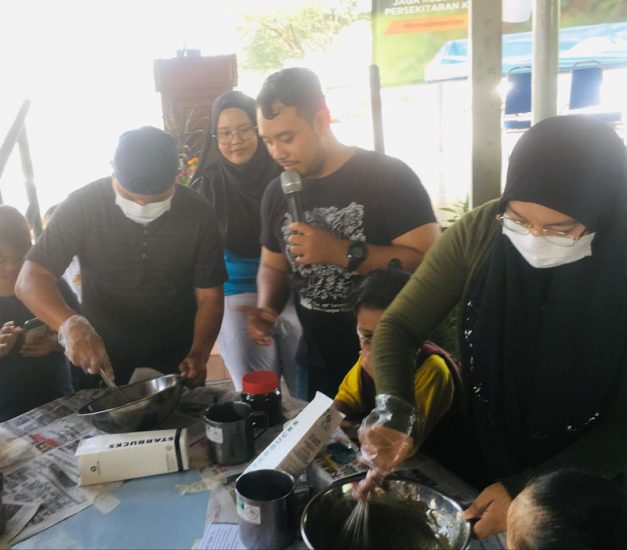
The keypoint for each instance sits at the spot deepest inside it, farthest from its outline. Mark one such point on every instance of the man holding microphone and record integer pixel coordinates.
(360, 209)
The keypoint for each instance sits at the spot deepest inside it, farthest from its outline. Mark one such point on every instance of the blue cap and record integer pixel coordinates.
(146, 161)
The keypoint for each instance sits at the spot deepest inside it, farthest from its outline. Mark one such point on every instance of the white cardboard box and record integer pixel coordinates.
(116, 457)
(299, 442)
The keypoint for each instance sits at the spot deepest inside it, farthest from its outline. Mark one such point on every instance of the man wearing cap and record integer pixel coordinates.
(151, 266)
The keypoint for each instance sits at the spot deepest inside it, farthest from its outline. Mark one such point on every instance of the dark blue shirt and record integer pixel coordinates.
(28, 382)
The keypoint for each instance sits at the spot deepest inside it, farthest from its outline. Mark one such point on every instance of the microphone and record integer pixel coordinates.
(292, 187)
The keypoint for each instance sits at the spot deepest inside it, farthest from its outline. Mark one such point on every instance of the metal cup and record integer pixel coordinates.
(231, 431)
(265, 506)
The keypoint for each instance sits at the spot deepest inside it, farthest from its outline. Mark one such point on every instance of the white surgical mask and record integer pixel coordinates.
(142, 213)
(541, 253)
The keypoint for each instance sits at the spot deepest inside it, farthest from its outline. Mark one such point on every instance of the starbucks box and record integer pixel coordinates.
(117, 457)
(297, 445)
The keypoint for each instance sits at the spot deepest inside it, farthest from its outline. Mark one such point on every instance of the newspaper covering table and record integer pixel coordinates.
(40, 470)
(41, 474)
(17, 515)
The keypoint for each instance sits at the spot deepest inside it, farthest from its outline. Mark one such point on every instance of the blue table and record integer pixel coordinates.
(151, 514)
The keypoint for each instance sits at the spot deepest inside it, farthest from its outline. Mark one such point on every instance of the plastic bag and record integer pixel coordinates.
(387, 436)
(83, 346)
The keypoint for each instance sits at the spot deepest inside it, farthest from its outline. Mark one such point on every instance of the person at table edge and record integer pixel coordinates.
(540, 277)
(151, 262)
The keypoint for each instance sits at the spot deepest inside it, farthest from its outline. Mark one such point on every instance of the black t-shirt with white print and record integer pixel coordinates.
(372, 198)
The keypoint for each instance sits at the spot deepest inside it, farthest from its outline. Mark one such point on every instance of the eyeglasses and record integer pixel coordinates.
(560, 238)
(245, 133)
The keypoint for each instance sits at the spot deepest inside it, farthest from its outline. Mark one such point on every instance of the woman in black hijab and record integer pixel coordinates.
(233, 173)
(540, 278)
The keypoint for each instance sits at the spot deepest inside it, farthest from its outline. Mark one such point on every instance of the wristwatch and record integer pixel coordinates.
(357, 253)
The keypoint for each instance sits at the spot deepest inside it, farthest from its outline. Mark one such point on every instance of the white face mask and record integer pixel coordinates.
(541, 253)
(142, 213)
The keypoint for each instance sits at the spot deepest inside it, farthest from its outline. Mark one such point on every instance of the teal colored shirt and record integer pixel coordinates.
(242, 274)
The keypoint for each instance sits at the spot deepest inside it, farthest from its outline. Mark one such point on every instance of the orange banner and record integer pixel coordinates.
(429, 24)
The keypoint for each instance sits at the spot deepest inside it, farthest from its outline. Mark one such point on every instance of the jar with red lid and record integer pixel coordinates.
(261, 390)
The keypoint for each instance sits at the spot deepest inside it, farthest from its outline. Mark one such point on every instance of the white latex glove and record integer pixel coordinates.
(84, 347)
(387, 437)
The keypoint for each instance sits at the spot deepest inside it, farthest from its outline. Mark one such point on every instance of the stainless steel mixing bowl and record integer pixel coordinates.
(139, 406)
(403, 514)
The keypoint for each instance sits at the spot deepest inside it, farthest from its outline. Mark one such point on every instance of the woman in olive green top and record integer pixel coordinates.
(540, 278)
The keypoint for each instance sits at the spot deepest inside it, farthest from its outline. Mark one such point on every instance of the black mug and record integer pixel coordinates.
(265, 506)
(231, 432)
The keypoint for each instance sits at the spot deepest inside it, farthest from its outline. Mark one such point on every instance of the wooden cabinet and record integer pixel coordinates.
(188, 87)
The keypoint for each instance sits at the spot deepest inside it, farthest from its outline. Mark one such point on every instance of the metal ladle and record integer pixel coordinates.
(111, 384)
(107, 380)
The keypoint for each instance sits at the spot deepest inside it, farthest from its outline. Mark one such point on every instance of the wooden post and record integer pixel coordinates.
(188, 87)
(377, 111)
(12, 136)
(33, 214)
(485, 70)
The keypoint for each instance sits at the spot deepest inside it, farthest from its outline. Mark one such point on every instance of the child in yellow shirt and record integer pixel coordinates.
(433, 383)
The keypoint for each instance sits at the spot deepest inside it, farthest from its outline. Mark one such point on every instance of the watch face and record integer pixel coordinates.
(357, 250)
(357, 253)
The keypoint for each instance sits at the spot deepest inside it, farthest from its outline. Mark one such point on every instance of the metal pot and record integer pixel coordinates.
(401, 514)
(139, 406)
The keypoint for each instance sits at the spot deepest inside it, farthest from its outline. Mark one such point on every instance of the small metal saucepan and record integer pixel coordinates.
(139, 406)
(401, 514)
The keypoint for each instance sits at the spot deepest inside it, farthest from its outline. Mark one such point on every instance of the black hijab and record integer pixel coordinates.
(235, 191)
(543, 347)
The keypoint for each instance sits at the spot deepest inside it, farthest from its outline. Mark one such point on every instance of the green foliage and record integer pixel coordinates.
(457, 210)
(581, 12)
(590, 12)
(272, 39)
(190, 138)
